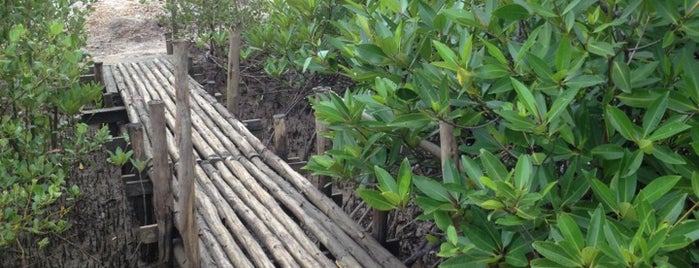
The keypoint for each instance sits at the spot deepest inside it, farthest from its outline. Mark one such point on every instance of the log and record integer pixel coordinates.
(185, 166)
(162, 192)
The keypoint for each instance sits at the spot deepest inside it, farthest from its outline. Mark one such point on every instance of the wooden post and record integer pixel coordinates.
(280, 146)
(168, 42)
(135, 131)
(98, 72)
(185, 166)
(232, 86)
(379, 228)
(162, 192)
(322, 143)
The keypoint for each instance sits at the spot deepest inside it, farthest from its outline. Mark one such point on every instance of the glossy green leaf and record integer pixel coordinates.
(374, 199)
(659, 187)
(608, 151)
(371, 54)
(621, 76)
(603, 193)
(570, 231)
(523, 173)
(386, 182)
(600, 48)
(405, 178)
(445, 52)
(492, 165)
(431, 188)
(654, 114)
(511, 12)
(668, 130)
(620, 122)
(495, 52)
(595, 232)
(555, 253)
(561, 103)
(526, 97)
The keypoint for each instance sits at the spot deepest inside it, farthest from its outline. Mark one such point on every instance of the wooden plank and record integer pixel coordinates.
(87, 78)
(162, 196)
(232, 85)
(253, 124)
(185, 167)
(97, 70)
(115, 114)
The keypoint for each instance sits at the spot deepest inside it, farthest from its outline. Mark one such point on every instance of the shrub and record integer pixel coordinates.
(575, 123)
(40, 95)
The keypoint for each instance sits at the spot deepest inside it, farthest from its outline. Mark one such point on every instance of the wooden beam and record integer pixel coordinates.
(104, 115)
(232, 86)
(138, 188)
(162, 191)
(87, 78)
(98, 72)
(185, 167)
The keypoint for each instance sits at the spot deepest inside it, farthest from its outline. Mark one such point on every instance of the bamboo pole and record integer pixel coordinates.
(162, 193)
(185, 167)
(322, 143)
(232, 86)
(280, 146)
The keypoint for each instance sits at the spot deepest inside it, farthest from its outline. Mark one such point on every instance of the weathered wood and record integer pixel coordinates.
(168, 42)
(379, 227)
(98, 72)
(104, 115)
(185, 167)
(138, 146)
(162, 196)
(212, 233)
(233, 86)
(253, 125)
(148, 234)
(280, 146)
(322, 143)
(87, 78)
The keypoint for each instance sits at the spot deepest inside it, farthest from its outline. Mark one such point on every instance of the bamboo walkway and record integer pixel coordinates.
(253, 209)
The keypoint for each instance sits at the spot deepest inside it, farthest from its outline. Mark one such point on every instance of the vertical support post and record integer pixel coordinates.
(233, 83)
(162, 192)
(98, 72)
(379, 227)
(135, 131)
(168, 42)
(280, 146)
(185, 167)
(322, 143)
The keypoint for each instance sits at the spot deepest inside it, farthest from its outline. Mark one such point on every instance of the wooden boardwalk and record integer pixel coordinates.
(252, 208)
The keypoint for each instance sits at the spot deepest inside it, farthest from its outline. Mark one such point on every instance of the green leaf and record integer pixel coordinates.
(492, 165)
(603, 49)
(563, 54)
(431, 188)
(445, 52)
(525, 96)
(405, 178)
(539, 66)
(495, 52)
(620, 122)
(608, 151)
(621, 76)
(603, 193)
(654, 114)
(663, 153)
(668, 130)
(371, 54)
(555, 253)
(695, 183)
(511, 12)
(452, 236)
(570, 231)
(492, 204)
(561, 103)
(523, 173)
(386, 182)
(411, 121)
(659, 187)
(374, 199)
(595, 233)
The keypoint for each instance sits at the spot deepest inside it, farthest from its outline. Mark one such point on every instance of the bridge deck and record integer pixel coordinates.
(253, 210)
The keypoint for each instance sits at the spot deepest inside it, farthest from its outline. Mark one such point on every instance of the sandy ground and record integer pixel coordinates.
(124, 28)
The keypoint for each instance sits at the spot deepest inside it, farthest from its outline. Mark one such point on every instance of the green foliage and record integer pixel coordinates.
(575, 122)
(207, 22)
(40, 95)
